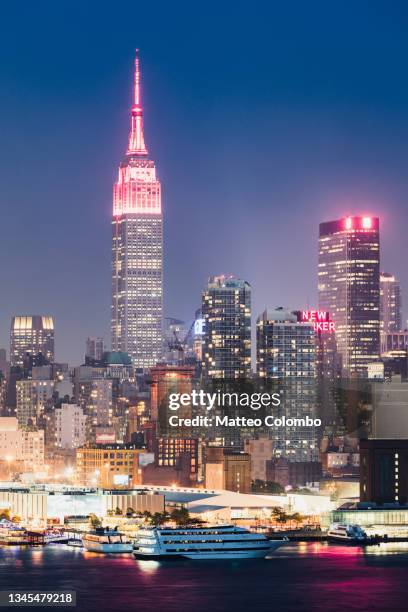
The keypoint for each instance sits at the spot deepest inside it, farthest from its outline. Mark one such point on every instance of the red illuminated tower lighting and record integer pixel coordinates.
(349, 287)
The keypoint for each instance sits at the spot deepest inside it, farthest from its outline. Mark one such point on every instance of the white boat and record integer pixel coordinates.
(105, 540)
(216, 542)
(75, 543)
(55, 535)
(12, 534)
(346, 533)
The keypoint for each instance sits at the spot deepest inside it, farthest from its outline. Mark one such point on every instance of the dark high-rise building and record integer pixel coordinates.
(384, 471)
(165, 381)
(286, 354)
(30, 335)
(285, 346)
(4, 364)
(349, 288)
(226, 311)
(390, 304)
(137, 249)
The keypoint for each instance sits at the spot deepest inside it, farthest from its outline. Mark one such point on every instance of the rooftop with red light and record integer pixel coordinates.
(350, 224)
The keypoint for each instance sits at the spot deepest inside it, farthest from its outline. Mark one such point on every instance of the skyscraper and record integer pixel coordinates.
(137, 249)
(390, 303)
(349, 287)
(226, 310)
(95, 348)
(33, 397)
(31, 334)
(286, 353)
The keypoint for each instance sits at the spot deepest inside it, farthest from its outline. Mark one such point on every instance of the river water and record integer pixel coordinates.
(299, 576)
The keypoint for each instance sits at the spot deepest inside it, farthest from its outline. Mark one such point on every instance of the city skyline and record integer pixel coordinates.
(300, 166)
(204, 305)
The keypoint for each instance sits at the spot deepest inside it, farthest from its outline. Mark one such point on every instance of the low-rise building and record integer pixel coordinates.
(108, 466)
(390, 520)
(293, 473)
(227, 469)
(21, 448)
(39, 505)
(10, 438)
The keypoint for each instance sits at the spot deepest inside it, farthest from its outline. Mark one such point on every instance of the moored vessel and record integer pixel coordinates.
(346, 534)
(105, 540)
(56, 536)
(13, 535)
(215, 542)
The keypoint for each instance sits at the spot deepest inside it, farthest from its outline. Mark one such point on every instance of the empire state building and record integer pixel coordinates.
(137, 248)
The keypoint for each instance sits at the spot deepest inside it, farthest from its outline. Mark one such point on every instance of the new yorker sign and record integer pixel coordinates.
(320, 319)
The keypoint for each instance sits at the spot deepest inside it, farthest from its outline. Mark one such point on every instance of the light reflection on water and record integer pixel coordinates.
(298, 576)
(387, 548)
(37, 556)
(148, 567)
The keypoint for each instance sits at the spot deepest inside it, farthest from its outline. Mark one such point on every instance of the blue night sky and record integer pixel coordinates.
(264, 119)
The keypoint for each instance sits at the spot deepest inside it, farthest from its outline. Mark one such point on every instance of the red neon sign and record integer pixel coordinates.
(320, 319)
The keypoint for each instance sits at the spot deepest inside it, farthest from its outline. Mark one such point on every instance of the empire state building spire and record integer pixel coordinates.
(137, 249)
(136, 139)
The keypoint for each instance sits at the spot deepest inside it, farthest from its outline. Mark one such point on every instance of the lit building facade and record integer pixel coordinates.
(390, 304)
(394, 342)
(20, 445)
(227, 469)
(46, 505)
(33, 449)
(169, 449)
(32, 398)
(10, 439)
(226, 312)
(100, 406)
(95, 348)
(260, 451)
(70, 426)
(137, 249)
(31, 334)
(165, 380)
(349, 288)
(286, 354)
(108, 466)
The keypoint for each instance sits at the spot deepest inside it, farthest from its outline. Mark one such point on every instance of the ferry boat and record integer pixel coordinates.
(216, 542)
(106, 540)
(56, 536)
(75, 542)
(13, 535)
(346, 533)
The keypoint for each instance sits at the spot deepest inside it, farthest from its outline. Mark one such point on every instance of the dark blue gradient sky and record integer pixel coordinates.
(264, 119)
